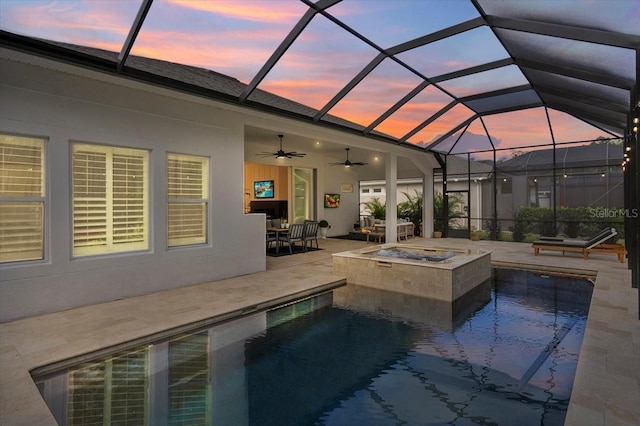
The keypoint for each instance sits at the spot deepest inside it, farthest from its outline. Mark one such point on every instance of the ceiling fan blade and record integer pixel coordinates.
(281, 153)
(348, 163)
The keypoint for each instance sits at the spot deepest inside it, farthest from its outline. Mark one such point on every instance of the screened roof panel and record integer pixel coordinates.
(376, 93)
(447, 143)
(318, 64)
(331, 61)
(473, 139)
(487, 81)
(425, 104)
(97, 24)
(229, 36)
(506, 101)
(441, 125)
(597, 58)
(391, 23)
(474, 47)
(602, 15)
(567, 128)
(580, 88)
(572, 106)
(518, 128)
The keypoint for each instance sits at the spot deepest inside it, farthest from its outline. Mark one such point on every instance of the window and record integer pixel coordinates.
(110, 201)
(365, 190)
(22, 200)
(187, 194)
(377, 190)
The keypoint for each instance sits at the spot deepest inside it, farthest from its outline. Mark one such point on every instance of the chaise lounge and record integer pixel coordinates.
(596, 244)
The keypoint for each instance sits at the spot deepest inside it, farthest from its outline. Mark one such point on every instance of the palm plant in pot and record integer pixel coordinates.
(324, 226)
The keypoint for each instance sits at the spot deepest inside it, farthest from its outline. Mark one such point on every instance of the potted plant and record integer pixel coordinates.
(323, 225)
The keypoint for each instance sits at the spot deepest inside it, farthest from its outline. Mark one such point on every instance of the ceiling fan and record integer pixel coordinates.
(348, 163)
(281, 153)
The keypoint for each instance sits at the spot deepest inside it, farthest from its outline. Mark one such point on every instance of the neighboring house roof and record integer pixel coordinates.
(595, 154)
(457, 165)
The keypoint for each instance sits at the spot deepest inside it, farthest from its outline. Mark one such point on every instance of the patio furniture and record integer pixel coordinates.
(295, 233)
(376, 236)
(310, 233)
(278, 232)
(272, 236)
(617, 249)
(595, 244)
(403, 229)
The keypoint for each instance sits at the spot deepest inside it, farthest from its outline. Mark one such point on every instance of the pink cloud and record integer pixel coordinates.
(259, 11)
(88, 23)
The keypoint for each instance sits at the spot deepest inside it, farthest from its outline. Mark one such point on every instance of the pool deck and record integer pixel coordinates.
(607, 384)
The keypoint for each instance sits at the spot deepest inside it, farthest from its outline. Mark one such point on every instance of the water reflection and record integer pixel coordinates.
(502, 354)
(418, 310)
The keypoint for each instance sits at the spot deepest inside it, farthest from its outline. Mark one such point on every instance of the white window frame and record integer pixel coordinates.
(88, 237)
(186, 199)
(17, 209)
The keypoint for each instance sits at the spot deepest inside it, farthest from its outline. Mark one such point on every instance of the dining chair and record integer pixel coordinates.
(295, 234)
(310, 233)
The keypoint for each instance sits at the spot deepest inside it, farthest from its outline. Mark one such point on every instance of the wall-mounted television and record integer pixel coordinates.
(263, 189)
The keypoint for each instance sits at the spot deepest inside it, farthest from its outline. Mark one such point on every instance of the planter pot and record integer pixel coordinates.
(475, 237)
(437, 234)
(323, 232)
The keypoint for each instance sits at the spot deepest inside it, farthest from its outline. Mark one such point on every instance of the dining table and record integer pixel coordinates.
(278, 231)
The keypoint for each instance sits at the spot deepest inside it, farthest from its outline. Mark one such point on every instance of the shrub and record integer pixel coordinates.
(494, 231)
(518, 230)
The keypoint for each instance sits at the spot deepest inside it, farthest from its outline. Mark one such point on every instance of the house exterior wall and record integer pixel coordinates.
(64, 108)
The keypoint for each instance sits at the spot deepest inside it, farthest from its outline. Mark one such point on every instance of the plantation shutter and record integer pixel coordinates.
(189, 392)
(109, 199)
(21, 198)
(113, 392)
(89, 200)
(128, 199)
(187, 193)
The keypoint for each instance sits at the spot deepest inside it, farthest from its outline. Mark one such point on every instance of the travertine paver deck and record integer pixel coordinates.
(606, 389)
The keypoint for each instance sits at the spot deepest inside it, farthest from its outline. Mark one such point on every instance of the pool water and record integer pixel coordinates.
(506, 353)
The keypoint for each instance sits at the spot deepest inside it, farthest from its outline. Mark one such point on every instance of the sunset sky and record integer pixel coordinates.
(236, 37)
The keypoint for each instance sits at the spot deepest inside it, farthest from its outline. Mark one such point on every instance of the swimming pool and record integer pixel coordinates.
(505, 354)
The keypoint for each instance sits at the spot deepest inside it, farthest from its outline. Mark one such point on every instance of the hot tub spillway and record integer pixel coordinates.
(436, 273)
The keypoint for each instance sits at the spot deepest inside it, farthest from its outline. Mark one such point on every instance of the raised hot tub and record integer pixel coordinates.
(436, 273)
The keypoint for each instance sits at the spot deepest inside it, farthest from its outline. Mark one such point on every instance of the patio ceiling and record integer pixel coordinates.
(454, 77)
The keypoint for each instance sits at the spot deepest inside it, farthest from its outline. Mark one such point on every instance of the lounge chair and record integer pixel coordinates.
(595, 244)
